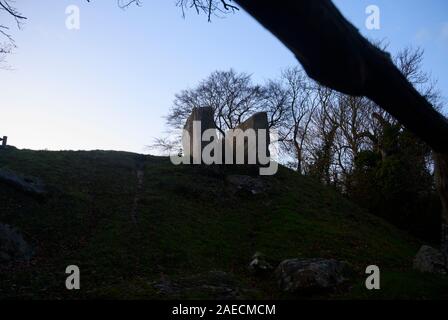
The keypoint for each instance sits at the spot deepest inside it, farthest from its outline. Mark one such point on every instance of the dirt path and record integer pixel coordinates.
(140, 172)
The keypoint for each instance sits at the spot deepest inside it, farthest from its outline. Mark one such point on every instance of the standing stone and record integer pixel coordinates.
(257, 122)
(248, 134)
(192, 144)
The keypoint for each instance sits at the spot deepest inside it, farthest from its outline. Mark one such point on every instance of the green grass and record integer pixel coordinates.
(189, 222)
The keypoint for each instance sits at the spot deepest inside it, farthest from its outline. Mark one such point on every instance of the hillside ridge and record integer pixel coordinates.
(130, 221)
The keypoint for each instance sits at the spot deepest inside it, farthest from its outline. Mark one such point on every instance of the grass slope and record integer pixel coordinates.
(188, 223)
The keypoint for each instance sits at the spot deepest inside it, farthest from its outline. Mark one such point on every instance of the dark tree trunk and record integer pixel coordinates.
(299, 157)
(441, 161)
(334, 53)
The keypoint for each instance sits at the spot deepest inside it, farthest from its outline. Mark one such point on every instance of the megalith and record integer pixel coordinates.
(253, 137)
(248, 143)
(199, 120)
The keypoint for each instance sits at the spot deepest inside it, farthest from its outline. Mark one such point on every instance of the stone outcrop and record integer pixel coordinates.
(217, 285)
(260, 264)
(305, 275)
(256, 123)
(430, 260)
(247, 184)
(28, 185)
(247, 134)
(12, 245)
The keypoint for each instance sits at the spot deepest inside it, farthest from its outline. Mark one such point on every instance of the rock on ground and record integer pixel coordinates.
(430, 260)
(259, 264)
(304, 275)
(12, 245)
(217, 285)
(27, 185)
(247, 183)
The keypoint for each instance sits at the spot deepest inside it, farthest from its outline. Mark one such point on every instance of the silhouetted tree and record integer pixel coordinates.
(300, 103)
(232, 96)
(7, 43)
(334, 53)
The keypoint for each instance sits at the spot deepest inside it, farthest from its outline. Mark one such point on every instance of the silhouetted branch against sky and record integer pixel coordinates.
(126, 3)
(12, 14)
(7, 43)
(209, 7)
(7, 7)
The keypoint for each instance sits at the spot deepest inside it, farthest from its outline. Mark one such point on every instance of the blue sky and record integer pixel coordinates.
(108, 85)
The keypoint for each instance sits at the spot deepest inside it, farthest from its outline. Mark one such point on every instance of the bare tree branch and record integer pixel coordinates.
(7, 8)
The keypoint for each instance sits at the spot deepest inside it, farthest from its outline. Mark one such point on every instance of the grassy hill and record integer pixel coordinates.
(129, 220)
